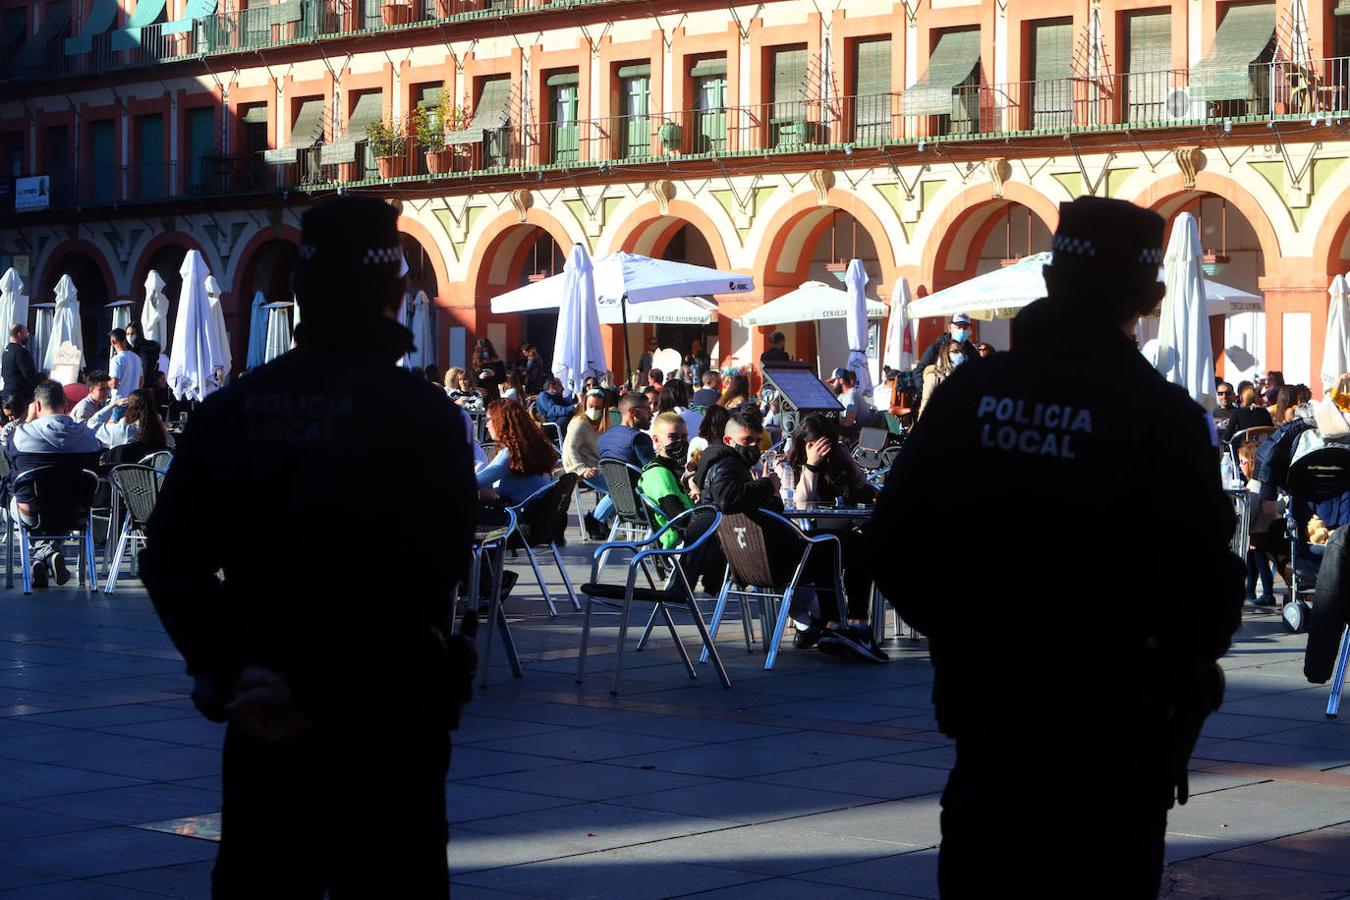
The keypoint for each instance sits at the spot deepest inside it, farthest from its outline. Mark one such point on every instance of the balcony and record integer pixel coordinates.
(999, 112)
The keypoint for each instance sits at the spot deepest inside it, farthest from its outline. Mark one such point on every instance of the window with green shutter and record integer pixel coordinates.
(1052, 74)
(102, 162)
(872, 87)
(709, 77)
(1147, 63)
(201, 127)
(635, 130)
(564, 132)
(789, 116)
(150, 153)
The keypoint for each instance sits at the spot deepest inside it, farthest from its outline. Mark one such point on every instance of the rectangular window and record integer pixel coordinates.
(562, 128)
(872, 90)
(102, 162)
(201, 129)
(13, 32)
(1148, 63)
(950, 87)
(635, 129)
(56, 162)
(13, 150)
(789, 116)
(1052, 75)
(709, 77)
(257, 141)
(150, 156)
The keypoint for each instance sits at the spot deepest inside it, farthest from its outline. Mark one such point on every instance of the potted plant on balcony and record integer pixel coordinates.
(396, 13)
(672, 135)
(388, 144)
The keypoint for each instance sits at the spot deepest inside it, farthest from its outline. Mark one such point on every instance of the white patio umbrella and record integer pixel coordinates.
(899, 351)
(155, 312)
(1184, 353)
(42, 329)
(1336, 350)
(278, 330)
(855, 279)
(13, 301)
(675, 311)
(213, 293)
(257, 331)
(424, 332)
(578, 350)
(198, 364)
(811, 302)
(404, 318)
(120, 313)
(65, 324)
(295, 316)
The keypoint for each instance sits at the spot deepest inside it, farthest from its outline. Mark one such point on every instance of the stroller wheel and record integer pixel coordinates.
(1295, 616)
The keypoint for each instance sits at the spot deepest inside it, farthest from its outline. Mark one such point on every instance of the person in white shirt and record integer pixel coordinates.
(126, 369)
(857, 411)
(100, 391)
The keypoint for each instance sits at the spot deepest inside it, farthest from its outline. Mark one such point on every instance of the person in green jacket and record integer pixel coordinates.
(662, 479)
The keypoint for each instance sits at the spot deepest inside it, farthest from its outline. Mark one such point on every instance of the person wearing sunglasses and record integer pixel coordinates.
(1225, 414)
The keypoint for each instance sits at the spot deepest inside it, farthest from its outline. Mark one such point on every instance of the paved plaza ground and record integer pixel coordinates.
(819, 779)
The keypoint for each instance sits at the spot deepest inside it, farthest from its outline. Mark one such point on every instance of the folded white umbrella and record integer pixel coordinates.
(1336, 350)
(855, 279)
(424, 332)
(198, 363)
(13, 301)
(65, 324)
(120, 313)
(43, 314)
(257, 331)
(639, 279)
(1184, 354)
(578, 350)
(155, 312)
(278, 330)
(675, 311)
(899, 351)
(811, 302)
(213, 293)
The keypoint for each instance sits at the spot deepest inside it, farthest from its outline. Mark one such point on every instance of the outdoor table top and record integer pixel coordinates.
(812, 509)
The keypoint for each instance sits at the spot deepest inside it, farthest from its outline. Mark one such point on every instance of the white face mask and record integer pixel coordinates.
(594, 414)
(956, 359)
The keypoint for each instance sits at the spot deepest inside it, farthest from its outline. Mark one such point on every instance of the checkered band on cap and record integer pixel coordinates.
(376, 256)
(1063, 243)
(1152, 255)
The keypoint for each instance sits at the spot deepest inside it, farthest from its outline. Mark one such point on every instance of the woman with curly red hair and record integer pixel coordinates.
(525, 458)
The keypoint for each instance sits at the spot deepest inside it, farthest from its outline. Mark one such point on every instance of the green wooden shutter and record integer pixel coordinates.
(872, 87)
(562, 91)
(201, 144)
(710, 122)
(789, 93)
(1051, 74)
(1243, 39)
(635, 98)
(150, 146)
(102, 162)
(1148, 62)
(955, 61)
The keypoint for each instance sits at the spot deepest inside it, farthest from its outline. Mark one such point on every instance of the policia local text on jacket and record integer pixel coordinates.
(1074, 627)
(335, 493)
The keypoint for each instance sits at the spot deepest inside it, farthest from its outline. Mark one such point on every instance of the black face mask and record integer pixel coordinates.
(677, 450)
(749, 454)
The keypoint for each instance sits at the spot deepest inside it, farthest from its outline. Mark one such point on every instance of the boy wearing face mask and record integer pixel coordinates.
(958, 334)
(661, 478)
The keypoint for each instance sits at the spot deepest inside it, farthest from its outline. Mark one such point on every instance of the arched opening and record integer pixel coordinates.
(93, 295)
(166, 260)
(520, 255)
(674, 238)
(1233, 257)
(269, 270)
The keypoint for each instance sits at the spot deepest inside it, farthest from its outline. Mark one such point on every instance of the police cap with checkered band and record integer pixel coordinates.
(1107, 238)
(349, 258)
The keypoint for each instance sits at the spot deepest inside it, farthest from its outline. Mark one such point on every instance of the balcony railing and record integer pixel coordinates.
(1030, 109)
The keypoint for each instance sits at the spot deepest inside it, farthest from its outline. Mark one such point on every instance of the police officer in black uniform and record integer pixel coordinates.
(1074, 627)
(335, 493)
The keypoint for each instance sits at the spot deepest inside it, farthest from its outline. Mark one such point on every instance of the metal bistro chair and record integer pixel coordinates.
(578, 491)
(137, 490)
(677, 591)
(1258, 434)
(160, 459)
(65, 498)
(541, 521)
(760, 567)
(493, 531)
(632, 519)
(553, 433)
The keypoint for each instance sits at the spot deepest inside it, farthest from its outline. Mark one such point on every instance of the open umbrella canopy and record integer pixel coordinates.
(278, 330)
(257, 331)
(675, 311)
(13, 301)
(424, 332)
(811, 302)
(213, 293)
(855, 279)
(1336, 350)
(640, 279)
(155, 312)
(198, 365)
(1185, 357)
(65, 324)
(899, 352)
(578, 350)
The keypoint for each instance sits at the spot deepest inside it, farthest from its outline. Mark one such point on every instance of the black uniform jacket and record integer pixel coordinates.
(335, 493)
(1060, 534)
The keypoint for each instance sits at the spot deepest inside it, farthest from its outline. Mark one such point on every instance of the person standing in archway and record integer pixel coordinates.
(17, 370)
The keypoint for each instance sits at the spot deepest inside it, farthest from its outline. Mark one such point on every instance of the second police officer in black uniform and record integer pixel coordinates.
(1075, 624)
(334, 491)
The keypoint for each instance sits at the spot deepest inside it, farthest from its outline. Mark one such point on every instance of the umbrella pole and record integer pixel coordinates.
(627, 355)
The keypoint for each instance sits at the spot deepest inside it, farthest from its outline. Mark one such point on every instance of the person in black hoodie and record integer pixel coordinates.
(339, 674)
(1130, 615)
(17, 369)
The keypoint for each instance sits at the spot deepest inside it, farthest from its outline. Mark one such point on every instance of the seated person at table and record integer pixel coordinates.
(139, 425)
(100, 391)
(524, 460)
(52, 438)
(1263, 518)
(725, 473)
(581, 457)
(661, 478)
(556, 405)
(628, 441)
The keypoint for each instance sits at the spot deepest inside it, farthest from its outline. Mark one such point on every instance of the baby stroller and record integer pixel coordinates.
(1318, 484)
